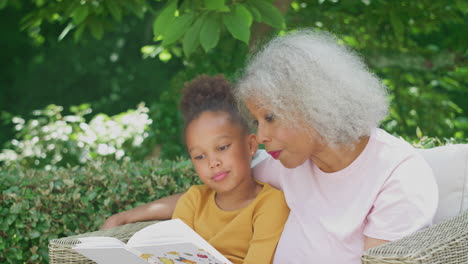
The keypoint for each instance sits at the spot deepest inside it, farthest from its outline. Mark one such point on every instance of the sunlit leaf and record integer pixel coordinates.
(177, 28)
(165, 18)
(215, 4)
(270, 14)
(192, 37)
(238, 23)
(254, 11)
(80, 14)
(209, 33)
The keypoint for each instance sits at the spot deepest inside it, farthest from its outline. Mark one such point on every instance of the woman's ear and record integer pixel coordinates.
(252, 144)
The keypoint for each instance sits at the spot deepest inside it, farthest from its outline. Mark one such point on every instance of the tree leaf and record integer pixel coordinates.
(270, 14)
(192, 37)
(175, 30)
(80, 14)
(242, 12)
(97, 30)
(215, 4)
(165, 18)
(209, 33)
(254, 11)
(79, 31)
(238, 23)
(3, 3)
(114, 9)
(397, 25)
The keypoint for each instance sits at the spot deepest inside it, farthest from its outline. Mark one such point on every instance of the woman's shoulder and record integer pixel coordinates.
(390, 147)
(385, 139)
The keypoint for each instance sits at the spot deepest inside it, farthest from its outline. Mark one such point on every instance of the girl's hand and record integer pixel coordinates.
(113, 221)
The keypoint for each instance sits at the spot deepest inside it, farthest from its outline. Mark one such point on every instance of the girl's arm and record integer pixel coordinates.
(161, 209)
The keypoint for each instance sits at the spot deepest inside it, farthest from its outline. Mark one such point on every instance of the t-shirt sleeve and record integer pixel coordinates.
(268, 223)
(186, 206)
(407, 202)
(268, 170)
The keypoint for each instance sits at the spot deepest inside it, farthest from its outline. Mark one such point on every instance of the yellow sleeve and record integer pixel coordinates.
(268, 225)
(186, 206)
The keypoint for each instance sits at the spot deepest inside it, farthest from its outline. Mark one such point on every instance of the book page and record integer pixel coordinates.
(172, 232)
(111, 255)
(178, 254)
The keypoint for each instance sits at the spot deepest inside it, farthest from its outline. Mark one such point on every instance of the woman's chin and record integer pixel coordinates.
(291, 164)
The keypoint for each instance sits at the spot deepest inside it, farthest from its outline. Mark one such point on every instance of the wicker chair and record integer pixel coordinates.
(443, 243)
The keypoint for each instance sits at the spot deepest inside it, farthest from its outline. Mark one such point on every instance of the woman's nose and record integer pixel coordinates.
(262, 136)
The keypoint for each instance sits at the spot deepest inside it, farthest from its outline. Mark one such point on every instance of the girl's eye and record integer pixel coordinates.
(199, 157)
(269, 117)
(255, 123)
(224, 147)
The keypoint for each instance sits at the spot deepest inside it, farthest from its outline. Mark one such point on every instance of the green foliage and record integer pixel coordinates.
(173, 21)
(415, 47)
(51, 139)
(38, 206)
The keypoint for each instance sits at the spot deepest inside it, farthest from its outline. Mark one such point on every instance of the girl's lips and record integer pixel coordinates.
(220, 176)
(275, 154)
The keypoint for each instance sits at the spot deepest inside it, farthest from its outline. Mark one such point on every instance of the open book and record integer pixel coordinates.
(168, 242)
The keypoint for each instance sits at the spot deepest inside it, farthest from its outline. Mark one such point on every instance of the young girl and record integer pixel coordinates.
(242, 218)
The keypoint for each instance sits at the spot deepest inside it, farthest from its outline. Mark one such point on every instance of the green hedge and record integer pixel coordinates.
(40, 205)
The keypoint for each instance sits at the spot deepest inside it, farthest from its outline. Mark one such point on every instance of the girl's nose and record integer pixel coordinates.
(215, 162)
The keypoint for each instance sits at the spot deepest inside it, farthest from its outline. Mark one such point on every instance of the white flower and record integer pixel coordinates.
(119, 154)
(8, 155)
(18, 120)
(102, 149)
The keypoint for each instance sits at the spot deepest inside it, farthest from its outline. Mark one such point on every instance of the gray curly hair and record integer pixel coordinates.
(305, 77)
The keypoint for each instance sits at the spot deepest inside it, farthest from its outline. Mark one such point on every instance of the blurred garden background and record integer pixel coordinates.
(89, 93)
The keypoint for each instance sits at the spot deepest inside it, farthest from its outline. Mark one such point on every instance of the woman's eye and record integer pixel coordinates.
(224, 147)
(270, 117)
(255, 123)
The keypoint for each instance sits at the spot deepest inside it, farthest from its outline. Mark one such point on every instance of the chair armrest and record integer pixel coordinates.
(60, 250)
(444, 243)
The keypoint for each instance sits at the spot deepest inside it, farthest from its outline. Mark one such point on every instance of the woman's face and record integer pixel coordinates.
(291, 145)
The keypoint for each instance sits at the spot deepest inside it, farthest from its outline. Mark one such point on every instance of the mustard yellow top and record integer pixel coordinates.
(248, 235)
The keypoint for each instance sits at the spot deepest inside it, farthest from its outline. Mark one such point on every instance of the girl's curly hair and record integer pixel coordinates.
(209, 93)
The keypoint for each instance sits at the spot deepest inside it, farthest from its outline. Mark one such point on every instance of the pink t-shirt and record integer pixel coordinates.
(388, 192)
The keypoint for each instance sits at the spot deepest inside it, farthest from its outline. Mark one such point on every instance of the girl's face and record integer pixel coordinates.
(220, 150)
(292, 146)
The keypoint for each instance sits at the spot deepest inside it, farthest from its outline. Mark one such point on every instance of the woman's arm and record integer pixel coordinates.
(161, 209)
(370, 242)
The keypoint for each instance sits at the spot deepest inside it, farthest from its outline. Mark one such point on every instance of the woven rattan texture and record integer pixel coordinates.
(60, 251)
(444, 243)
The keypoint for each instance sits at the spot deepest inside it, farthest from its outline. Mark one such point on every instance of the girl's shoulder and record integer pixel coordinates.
(198, 190)
(270, 194)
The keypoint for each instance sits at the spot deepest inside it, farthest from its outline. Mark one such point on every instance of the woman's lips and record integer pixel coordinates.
(220, 176)
(275, 154)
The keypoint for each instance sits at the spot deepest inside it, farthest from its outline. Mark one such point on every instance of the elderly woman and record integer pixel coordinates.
(350, 185)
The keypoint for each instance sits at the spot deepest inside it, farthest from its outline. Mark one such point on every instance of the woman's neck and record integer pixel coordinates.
(239, 197)
(335, 159)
